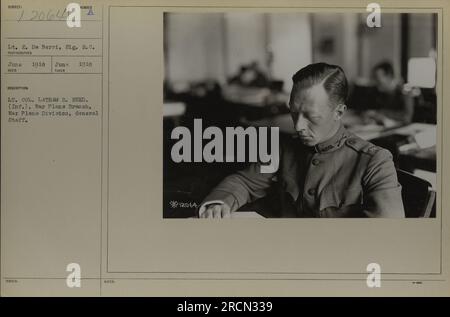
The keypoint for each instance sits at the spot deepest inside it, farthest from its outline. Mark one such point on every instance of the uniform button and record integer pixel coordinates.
(351, 141)
(315, 162)
(311, 191)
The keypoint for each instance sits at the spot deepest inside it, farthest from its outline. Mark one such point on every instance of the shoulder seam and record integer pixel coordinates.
(361, 145)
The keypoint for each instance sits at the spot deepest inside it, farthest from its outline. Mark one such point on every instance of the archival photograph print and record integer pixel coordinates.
(299, 115)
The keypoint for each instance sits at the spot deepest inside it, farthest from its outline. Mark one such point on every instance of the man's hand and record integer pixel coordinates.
(215, 211)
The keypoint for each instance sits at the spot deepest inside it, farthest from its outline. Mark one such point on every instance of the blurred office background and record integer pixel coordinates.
(233, 69)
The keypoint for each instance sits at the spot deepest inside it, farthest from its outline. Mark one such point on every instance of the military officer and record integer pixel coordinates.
(325, 171)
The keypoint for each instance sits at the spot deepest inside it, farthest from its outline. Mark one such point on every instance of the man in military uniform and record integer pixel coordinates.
(325, 171)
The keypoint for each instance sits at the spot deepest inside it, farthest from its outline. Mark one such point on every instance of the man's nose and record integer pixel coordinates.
(300, 123)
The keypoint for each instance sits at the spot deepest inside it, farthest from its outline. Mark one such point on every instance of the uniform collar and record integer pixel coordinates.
(333, 143)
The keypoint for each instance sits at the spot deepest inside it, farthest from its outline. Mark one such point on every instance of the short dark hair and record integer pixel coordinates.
(386, 67)
(332, 77)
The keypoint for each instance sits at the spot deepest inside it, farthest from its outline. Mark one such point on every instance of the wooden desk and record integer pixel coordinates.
(246, 214)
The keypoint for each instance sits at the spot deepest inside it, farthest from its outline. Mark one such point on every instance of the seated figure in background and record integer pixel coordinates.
(250, 76)
(389, 100)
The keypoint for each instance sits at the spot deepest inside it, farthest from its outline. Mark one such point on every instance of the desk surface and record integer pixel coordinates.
(244, 214)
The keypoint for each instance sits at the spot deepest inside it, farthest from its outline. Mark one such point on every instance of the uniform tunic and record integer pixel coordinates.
(344, 176)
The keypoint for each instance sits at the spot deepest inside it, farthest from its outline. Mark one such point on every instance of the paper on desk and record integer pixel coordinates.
(426, 138)
(424, 134)
(414, 128)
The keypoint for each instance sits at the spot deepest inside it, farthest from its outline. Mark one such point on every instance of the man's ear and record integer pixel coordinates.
(339, 111)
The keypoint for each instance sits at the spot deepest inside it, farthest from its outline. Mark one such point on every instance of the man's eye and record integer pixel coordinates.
(313, 118)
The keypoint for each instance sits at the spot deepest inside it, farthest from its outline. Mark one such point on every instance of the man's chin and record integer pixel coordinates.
(308, 141)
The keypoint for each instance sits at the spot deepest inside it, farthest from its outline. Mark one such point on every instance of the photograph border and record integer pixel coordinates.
(440, 39)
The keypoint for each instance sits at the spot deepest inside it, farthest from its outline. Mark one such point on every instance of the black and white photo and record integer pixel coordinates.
(299, 115)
